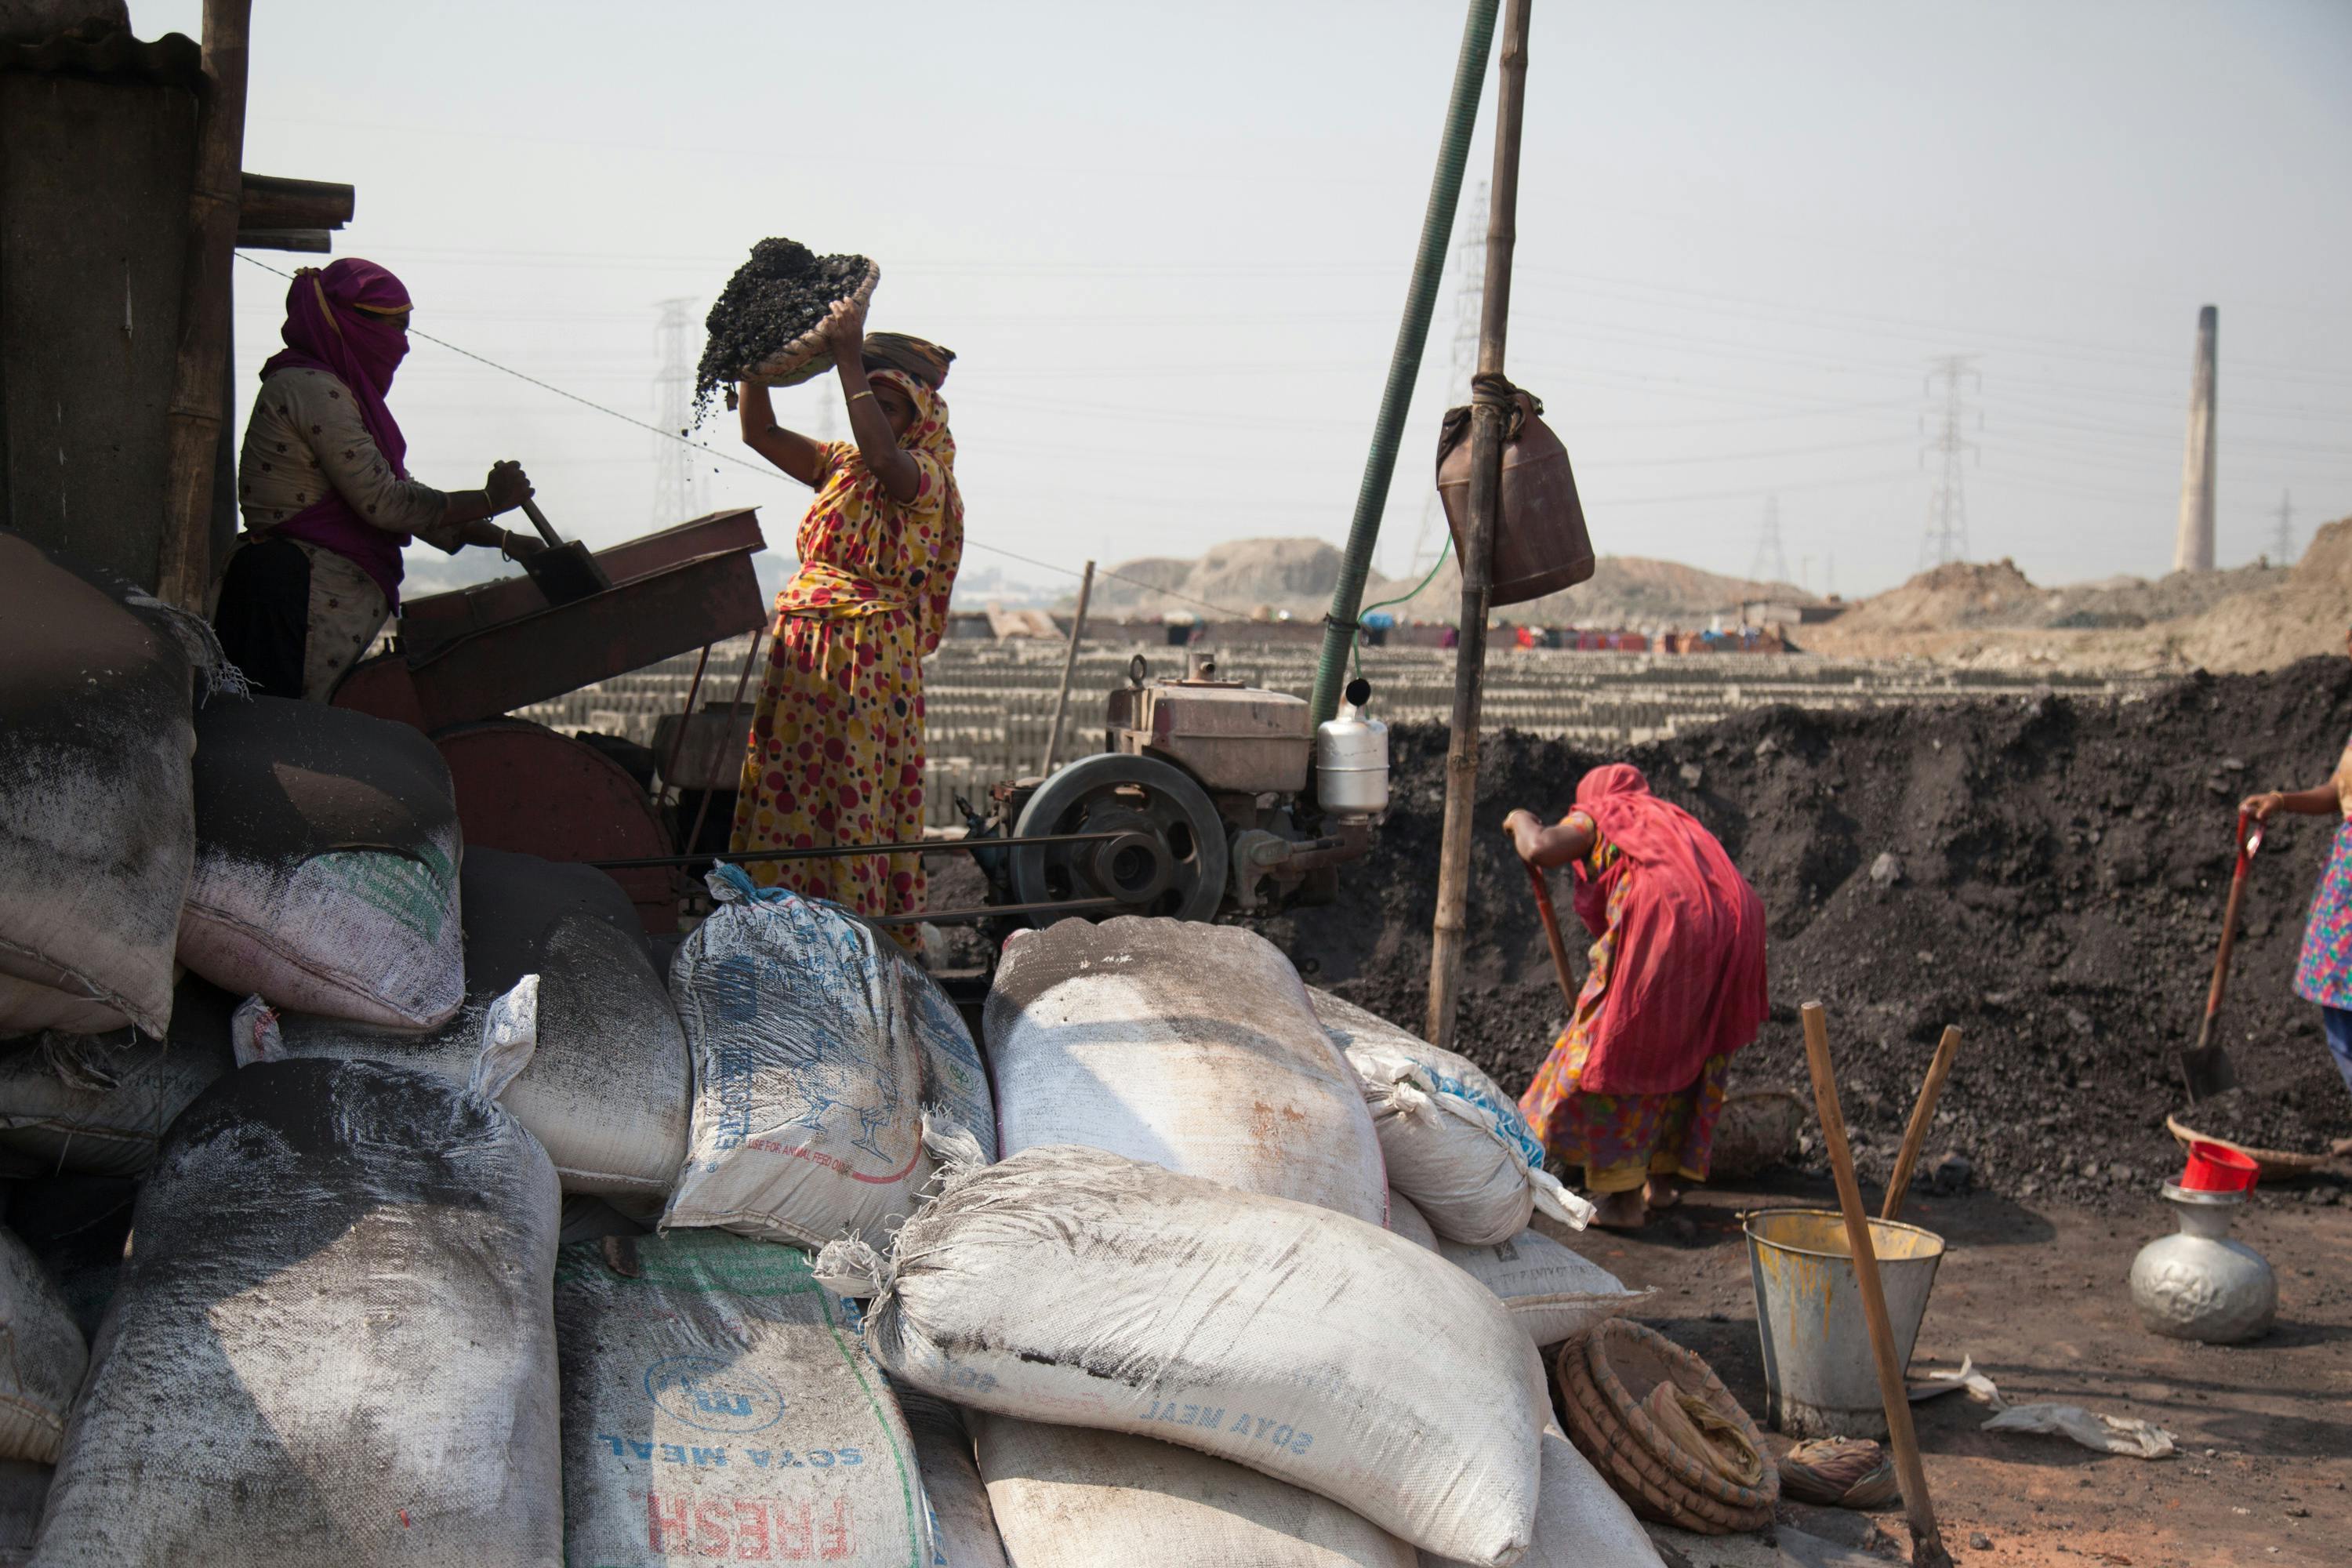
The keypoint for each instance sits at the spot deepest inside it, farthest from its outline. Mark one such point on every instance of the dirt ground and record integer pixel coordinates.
(2037, 1297)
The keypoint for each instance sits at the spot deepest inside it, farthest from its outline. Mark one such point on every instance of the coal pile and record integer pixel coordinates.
(782, 291)
(2304, 1115)
(2048, 873)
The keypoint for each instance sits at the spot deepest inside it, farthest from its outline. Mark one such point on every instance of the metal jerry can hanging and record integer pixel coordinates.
(1540, 545)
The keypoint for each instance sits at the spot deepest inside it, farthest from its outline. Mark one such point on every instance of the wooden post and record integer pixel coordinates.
(192, 424)
(1452, 928)
(1926, 1541)
(1070, 666)
(1915, 1135)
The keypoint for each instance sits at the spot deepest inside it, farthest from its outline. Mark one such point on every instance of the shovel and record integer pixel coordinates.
(564, 572)
(2205, 1068)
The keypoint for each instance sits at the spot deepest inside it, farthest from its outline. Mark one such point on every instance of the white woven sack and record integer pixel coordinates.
(333, 1340)
(42, 1370)
(606, 1089)
(1069, 1498)
(717, 1406)
(1182, 1044)
(1407, 1221)
(1071, 1286)
(962, 1524)
(1581, 1522)
(1550, 1291)
(811, 1036)
(97, 1104)
(95, 742)
(327, 854)
(1455, 1142)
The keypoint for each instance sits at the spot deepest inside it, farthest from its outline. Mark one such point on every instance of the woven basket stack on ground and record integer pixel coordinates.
(1605, 1375)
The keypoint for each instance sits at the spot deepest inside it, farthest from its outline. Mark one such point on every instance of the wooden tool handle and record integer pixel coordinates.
(1915, 1135)
(1551, 934)
(2229, 942)
(539, 520)
(1926, 1541)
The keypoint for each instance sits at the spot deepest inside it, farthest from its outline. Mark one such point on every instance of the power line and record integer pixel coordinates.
(766, 473)
(1946, 539)
(2283, 541)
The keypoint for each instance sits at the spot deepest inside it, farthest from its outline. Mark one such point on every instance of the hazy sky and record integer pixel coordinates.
(1171, 242)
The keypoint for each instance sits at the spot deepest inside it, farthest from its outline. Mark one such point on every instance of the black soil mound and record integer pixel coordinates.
(2053, 884)
(782, 291)
(2306, 1115)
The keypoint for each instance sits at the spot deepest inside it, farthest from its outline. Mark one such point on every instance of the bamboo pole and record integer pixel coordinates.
(1915, 1135)
(184, 565)
(1926, 1541)
(1450, 932)
(1069, 665)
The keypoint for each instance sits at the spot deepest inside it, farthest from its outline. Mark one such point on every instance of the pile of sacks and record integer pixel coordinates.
(413, 1212)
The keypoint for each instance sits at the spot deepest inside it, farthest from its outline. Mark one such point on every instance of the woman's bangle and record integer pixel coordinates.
(855, 395)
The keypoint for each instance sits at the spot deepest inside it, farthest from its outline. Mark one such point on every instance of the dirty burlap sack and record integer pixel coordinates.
(1182, 1044)
(333, 1341)
(718, 1405)
(1453, 1140)
(1252, 1328)
(95, 697)
(45, 1356)
(97, 1104)
(606, 1091)
(829, 1071)
(327, 852)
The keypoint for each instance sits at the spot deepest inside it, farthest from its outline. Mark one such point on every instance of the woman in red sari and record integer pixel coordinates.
(1632, 1088)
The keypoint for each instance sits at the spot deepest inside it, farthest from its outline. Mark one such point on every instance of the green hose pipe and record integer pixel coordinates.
(1404, 362)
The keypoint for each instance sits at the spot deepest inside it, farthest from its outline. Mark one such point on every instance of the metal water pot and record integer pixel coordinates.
(2199, 1284)
(1540, 545)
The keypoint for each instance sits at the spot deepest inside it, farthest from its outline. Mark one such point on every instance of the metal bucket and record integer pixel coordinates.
(1820, 1380)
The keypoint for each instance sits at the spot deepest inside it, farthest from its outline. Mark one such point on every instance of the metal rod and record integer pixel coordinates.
(990, 911)
(1450, 931)
(1926, 1541)
(702, 807)
(1404, 359)
(539, 520)
(1069, 666)
(831, 851)
(192, 419)
(694, 689)
(1915, 1135)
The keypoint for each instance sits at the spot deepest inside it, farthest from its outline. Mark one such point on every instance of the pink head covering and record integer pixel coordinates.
(335, 322)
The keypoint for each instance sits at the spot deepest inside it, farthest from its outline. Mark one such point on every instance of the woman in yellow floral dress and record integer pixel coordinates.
(836, 744)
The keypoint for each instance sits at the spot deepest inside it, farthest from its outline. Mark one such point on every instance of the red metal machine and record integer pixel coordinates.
(466, 660)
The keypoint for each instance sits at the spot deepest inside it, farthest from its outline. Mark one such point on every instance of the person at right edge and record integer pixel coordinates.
(1633, 1088)
(2324, 974)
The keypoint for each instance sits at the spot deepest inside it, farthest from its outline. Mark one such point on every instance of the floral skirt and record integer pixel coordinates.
(836, 757)
(1619, 1140)
(2324, 973)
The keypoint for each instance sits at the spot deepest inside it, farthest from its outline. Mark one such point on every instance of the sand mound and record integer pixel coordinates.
(1627, 591)
(2305, 615)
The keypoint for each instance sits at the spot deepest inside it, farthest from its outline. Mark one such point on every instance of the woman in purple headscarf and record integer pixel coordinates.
(323, 483)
